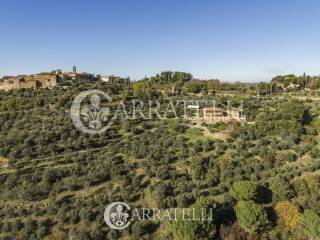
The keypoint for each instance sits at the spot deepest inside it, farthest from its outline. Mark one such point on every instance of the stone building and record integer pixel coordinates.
(111, 79)
(214, 114)
(44, 80)
(75, 76)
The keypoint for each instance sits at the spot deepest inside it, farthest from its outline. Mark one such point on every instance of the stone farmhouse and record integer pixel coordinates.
(214, 114)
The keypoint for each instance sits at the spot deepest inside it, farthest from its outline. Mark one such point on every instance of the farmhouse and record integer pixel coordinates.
(214, 114)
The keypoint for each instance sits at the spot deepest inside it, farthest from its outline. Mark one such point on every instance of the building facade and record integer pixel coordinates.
(28, 81)
(44, 80)
(214, 114)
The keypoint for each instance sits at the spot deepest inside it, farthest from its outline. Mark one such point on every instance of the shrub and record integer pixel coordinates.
(251, 217)
(310, 224)
(287, 214)
(6, 227)
(244, 190)
(198, 229)
(197, 168)
(281, 189)
(162, 191)
(315, 152)
(184, 199)
(139, 229)
(17, 225)
(280, 157)
(290, 157)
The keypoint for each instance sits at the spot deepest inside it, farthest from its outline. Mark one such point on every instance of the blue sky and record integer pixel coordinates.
(233, 40)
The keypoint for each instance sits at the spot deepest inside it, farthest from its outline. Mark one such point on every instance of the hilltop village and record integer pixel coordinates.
(49, 80)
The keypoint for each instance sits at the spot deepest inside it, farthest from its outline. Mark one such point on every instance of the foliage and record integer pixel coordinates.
(203, 228)
(171, 77)
(251, 216)
(281, 189)
(288, 118)
(195, 86)
(302, 81)
(68, 177)
(244, 190)
(288, 214)
(142, 89)
(197, 167)
(310, 223)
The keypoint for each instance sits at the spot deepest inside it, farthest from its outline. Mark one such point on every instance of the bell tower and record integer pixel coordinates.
(74, 72)
(74, 69)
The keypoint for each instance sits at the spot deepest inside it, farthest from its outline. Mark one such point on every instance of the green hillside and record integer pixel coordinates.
(263, 176)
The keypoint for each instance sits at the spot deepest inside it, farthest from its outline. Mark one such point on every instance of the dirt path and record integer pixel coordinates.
(222, 135)
(219, 135)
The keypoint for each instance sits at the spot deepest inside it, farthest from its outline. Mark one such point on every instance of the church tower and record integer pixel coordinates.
(74, 69)
(74, 73)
